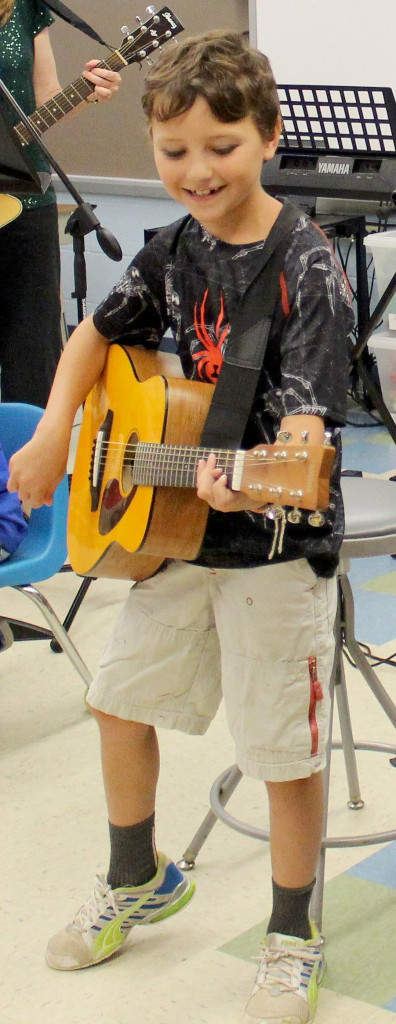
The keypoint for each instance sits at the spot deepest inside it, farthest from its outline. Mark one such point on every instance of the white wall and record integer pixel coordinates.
(329, 42)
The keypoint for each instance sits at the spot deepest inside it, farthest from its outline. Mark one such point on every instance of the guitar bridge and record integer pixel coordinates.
(98, 459)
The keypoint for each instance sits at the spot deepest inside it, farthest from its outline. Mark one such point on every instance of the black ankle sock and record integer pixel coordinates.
(290, 910)
(133, 856)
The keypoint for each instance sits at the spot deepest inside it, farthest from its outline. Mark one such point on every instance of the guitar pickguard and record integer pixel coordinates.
(113, 507)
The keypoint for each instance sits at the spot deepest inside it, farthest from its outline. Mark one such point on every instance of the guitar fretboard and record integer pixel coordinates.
(163, 465)
(65, 101)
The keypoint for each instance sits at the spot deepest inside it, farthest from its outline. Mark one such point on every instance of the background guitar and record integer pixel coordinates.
(133, 499)
(10, 208)
(135, 47)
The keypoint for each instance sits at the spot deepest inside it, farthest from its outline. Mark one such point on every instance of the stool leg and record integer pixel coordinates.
(187, 861)
(355, 801)
(359, 658)
(316, 904)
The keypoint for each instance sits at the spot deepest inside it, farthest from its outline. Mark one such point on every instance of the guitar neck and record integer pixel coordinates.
(162, 465)
(296, 475)
(65, 101)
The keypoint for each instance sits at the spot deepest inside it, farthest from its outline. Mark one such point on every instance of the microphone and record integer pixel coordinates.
(83, 220)
(109, 244)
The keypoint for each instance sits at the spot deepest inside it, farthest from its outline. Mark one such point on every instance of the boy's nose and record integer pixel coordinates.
(200, 171)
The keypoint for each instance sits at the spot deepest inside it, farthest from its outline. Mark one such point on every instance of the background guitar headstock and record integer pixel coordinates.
(149, 35)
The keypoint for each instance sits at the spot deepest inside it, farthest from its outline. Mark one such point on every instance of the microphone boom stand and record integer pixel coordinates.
(81, 221)
(356, 357)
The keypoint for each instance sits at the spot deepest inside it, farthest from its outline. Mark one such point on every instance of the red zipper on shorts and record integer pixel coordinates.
(315, 695)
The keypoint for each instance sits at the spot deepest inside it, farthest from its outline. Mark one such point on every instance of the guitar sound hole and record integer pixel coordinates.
(128, 464)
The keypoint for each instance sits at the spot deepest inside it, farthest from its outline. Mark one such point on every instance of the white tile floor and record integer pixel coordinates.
(54, 834)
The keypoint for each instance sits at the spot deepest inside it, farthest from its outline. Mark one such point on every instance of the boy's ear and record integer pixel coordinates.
(271, 145)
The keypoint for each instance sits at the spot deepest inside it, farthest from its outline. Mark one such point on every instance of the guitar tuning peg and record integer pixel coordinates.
(125, 30)
(283, 436)
(304, 436)
(294, 517)
(316, 518)
(150, 62)
(150, 9)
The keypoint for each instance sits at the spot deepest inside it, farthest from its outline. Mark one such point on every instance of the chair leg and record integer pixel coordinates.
(357, 655)
(57, 629)
(187, 861)
(71, 614)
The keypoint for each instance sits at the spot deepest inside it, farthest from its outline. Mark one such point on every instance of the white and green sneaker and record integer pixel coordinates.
(102, 924)
(286, 988)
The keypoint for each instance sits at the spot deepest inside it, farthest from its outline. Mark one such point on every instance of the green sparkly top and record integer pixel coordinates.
(29, 17)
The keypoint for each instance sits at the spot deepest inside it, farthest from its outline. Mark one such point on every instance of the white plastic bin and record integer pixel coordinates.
(382, 245)
(383, 347)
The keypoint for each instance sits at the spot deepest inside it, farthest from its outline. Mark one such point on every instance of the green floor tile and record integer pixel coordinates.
(385, 584)
(358, 925)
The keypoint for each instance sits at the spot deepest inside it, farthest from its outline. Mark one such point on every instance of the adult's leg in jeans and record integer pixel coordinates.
(30, 331)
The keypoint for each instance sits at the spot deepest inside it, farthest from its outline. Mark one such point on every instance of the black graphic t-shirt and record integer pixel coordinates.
(193, 288)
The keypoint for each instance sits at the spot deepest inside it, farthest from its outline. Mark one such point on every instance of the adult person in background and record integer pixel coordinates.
(30, 310)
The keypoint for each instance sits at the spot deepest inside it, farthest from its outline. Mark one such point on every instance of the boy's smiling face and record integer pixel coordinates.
(213, 168)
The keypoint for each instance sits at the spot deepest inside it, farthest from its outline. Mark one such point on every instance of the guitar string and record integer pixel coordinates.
(181, 451)
(180, 457)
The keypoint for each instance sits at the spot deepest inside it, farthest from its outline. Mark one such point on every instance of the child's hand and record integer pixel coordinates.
(212, 487)
(37, 469)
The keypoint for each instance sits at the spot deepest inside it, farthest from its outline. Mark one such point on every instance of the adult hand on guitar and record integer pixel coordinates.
(106, 82)
(38, 467)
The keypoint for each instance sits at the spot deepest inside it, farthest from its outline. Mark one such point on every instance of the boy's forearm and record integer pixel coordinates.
(79, 368)
(37, 468)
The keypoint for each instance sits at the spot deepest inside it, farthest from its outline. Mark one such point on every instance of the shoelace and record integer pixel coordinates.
(101, 898)
(278, 965)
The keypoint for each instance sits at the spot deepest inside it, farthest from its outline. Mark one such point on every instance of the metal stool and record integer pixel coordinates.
(370, 518)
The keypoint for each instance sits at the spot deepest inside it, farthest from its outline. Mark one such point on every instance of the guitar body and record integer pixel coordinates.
(10, 208)
(116, 528)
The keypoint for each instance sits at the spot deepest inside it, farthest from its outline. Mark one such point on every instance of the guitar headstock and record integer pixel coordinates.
(149, 35)
(287, 475)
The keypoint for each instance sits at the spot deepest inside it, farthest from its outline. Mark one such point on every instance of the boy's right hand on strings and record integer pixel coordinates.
(38, 467)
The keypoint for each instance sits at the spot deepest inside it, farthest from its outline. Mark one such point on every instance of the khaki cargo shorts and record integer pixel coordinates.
(262, 638)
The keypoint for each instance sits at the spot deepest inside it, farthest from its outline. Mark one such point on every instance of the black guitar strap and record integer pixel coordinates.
(236, 387)
(73, 19)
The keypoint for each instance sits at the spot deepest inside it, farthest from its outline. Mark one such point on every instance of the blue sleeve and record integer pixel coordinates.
(13, 525)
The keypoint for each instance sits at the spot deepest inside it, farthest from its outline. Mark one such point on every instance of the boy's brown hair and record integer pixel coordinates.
(235, 81)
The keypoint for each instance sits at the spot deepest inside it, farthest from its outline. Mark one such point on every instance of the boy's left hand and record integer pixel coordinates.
(106, 82)
(212, 487)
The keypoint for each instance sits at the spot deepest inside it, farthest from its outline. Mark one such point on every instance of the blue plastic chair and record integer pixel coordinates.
(43, 549)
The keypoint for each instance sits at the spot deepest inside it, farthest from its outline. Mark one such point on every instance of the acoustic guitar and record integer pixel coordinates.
(135, 47)
(133, 499)
(10, 208)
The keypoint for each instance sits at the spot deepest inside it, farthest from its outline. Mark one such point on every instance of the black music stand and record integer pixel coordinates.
(16, 176)
(338, 120)
(349, 122)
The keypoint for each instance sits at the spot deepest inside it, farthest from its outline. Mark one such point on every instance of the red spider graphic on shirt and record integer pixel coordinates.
(209, 359)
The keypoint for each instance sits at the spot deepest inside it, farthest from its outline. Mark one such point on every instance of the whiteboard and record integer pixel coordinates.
(333, 42)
